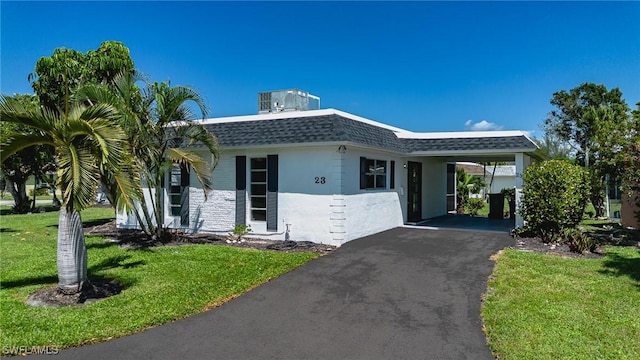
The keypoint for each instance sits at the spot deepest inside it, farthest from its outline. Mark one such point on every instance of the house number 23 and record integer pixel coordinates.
(320, 180)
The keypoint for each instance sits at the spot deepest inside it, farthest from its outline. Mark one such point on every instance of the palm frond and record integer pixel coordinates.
(79, 175)
(201, 168)
(171, 103)
(15, 112)
(198, 134)
(19, 141)
(95, 93)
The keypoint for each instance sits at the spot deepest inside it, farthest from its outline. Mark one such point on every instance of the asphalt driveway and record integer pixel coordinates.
(401, 294)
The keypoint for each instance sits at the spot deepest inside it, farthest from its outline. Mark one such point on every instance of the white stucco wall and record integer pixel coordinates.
(318, 196)
(370, 213)
(217, 213)
(129, 221)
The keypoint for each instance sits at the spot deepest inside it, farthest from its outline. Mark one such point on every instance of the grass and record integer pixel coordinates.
(485, 210)
(8, 196)
(548, 307)
(161, 284)
(590, 211)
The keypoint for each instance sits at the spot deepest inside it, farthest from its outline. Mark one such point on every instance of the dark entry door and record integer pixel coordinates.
(414, 191)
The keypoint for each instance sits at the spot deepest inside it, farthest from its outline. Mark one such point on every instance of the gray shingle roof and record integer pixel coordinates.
(469, 144)
(337, 128)
(301, 130)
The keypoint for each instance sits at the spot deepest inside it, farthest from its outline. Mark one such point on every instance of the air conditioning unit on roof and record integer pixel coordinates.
(286, 100)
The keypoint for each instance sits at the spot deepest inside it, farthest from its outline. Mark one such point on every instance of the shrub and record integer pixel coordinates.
(578, 241)
(474, 205)
(240, 230)
(43, 191)
(555, 194)
(509, 194)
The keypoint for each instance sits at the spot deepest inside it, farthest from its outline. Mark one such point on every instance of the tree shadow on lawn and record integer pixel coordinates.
(89, 224)
(120, 261)
(618, 265)
(101, 245)
(97, 222)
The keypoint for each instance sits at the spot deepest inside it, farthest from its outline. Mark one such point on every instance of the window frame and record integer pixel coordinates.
(254, 186)
(175, 191)
(374, 180)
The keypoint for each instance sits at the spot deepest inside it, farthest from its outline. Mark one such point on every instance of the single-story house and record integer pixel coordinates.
(328, 176)
(497, 177)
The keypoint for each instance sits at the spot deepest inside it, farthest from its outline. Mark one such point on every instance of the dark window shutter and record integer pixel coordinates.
(241, 173)
(392, 181)
(363, 173)
(272, 192)
(272, 173)
(184, 195)
(241, 189)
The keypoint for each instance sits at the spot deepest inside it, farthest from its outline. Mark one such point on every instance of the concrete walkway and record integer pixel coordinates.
(401, 294)
(466, 222)
(38, 202)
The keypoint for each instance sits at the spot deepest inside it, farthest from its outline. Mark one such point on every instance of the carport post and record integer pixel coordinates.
(522, 162)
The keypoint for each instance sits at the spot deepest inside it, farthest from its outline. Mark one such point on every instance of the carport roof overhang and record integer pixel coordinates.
(476, 156)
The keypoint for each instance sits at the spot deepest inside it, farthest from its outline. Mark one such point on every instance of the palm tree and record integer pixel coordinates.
(87, 142)
(466, 183)
(158, 124)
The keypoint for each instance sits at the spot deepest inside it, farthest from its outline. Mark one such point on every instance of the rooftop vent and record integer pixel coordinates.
(286, 100)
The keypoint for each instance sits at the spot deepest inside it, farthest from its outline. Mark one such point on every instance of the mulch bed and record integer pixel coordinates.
(137, 239)
(536, 245)
(90, 292)
(614, 237)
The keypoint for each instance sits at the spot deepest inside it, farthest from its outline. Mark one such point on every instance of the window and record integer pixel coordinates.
(178, 192)
(259, 189)
(373, 174)
(175, 190)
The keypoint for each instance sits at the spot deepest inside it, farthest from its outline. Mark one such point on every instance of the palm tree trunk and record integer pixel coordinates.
(148, 227)
(158, 210)
(72, 253)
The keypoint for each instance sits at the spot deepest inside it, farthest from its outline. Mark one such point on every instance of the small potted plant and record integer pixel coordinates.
(510, 195)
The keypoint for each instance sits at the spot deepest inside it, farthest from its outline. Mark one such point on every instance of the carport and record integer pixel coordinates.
(431, 180)
(465, 222)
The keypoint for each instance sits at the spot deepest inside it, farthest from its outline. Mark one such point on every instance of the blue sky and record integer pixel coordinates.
(423, 66)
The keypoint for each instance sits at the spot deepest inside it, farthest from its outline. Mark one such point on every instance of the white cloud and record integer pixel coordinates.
(483, 125)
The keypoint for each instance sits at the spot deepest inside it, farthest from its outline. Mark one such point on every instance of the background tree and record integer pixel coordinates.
(595, 123)
(553, 148)
(87, 141)
(32, 161)
(57, 77)
(628, 160)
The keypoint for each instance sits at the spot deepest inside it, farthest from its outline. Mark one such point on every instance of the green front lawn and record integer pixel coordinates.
(161, 284)
(549, 307)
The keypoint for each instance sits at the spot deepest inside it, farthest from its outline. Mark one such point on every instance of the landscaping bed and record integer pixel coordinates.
(137, 239)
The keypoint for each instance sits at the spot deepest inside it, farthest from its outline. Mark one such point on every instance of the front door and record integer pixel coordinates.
(414, 191)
